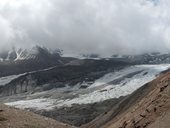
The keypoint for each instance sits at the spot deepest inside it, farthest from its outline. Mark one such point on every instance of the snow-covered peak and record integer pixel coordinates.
(24, 54)
(16, 54)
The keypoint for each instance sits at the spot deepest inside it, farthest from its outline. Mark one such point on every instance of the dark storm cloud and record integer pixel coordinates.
(87, 26)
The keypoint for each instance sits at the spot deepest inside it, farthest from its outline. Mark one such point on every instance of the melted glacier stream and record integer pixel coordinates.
(112, 85)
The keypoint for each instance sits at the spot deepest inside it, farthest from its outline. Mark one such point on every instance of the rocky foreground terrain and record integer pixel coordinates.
(148, 107)
(14, 118)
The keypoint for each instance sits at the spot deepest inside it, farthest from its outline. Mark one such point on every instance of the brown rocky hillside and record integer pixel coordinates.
(148, 107)
(14, 118)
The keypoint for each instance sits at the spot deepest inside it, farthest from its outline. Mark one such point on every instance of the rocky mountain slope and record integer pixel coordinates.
(19, 61)
(36, 52)
(14, 118)
(148, 107)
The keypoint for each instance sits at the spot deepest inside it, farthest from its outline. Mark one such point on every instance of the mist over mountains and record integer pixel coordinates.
(104, 27)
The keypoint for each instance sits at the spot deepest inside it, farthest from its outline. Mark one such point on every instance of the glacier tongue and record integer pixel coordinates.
(112, 85)
(125, 87)
(150, 70)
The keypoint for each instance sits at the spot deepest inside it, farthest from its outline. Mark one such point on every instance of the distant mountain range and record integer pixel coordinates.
(18, 61)
(147, 58)
(40, 53)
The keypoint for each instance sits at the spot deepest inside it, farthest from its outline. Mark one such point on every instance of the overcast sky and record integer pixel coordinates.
(87, 26)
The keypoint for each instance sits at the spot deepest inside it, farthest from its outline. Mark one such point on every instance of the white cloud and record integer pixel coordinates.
(99, 26)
